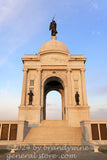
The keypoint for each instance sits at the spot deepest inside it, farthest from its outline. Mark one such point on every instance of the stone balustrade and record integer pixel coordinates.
(95, 131)
(12, 131)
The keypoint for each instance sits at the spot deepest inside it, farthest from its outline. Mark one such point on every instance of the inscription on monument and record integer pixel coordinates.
(94, 130)
(103, 131)
(4, 133)
(13, 132)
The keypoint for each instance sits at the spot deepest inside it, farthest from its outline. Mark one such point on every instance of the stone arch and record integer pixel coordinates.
(62, 77)
(53, 83)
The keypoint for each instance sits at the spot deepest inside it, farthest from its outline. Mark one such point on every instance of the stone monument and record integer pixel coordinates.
(53, 68)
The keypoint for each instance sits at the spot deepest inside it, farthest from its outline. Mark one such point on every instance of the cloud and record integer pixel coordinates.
(94, 4)
(102, 90)
(53, 106)
(22, 15)
(19, 21)
(8, 105)
(96, 33)
(5, 90)
(54, 115)
(3, 61)
(98, 106)
(9, 108)
(9, 102)
(9, 10)
(99, 113)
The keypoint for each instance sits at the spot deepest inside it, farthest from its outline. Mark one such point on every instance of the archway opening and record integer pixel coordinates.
(50, 85)
(53, 106)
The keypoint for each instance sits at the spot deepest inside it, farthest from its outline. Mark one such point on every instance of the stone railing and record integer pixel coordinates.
(95, 130)
(12, 131)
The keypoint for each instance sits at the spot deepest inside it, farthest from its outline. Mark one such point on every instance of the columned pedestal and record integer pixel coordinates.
(30, 114)
(77, 114)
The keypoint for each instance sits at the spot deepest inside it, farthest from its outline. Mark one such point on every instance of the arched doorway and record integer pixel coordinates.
(53, 83)
(53, 105)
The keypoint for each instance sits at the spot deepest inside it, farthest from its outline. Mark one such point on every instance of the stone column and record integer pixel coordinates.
(84, 93)
(63, 107)
(39, 88)
(39, 94)
(65, 104)
(24, 88)
(9, 132)
(0, 130)
(70, 99)
(99, 131)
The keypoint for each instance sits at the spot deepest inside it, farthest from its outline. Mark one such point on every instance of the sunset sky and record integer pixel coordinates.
(24, 27)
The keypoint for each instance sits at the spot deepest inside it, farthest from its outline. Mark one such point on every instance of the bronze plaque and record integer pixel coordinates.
(4, 133)
(103, 131)
(94, 130)
(13, 132)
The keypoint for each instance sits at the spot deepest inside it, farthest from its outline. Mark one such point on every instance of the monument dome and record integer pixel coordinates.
(53, 46)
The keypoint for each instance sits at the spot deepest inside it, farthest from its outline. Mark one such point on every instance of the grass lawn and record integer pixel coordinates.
(3, 151)
(103, 151)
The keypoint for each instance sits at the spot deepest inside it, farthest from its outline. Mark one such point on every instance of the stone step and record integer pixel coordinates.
(54, 123)
(53, 140)
(54, 131)
(53, 143)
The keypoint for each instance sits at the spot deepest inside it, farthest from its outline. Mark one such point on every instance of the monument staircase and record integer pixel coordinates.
(51, 132)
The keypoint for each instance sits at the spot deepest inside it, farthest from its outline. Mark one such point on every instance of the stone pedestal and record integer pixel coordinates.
(77, 114)
(30, 114)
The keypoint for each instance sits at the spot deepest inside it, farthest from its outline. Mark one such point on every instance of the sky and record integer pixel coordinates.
(24, 27)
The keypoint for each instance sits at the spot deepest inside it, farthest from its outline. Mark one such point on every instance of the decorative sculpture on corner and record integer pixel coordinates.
(30, 97)
(77, 98)
(52, 27)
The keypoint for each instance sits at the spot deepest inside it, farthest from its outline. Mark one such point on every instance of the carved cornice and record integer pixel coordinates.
(30, 59)
(25, 70)
(69, 70)
(82, 69)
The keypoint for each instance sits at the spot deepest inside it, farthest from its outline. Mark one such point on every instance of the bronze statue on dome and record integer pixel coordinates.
(52, 27)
